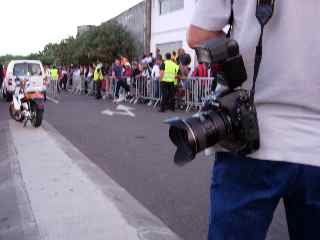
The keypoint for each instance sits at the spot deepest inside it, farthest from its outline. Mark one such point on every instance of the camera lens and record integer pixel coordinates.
(194, 134)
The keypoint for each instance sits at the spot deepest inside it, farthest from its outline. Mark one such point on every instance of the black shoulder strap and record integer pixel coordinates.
(231, 20)
(264, 12)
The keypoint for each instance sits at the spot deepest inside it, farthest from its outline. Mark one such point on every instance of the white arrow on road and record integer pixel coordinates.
(121, 110)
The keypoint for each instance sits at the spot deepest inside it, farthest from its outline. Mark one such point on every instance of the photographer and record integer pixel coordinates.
(246, 190)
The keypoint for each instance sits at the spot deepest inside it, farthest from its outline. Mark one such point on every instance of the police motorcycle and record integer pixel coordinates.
(26, 106)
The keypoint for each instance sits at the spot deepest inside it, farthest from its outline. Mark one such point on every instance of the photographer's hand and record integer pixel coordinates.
(198, 35)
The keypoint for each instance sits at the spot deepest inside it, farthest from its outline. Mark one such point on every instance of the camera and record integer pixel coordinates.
(229, 119)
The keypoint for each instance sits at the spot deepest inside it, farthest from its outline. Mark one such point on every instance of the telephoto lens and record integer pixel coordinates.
(194, 134)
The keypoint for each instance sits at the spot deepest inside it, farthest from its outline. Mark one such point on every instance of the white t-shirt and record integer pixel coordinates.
(146, 73)
(288, 86)
(48, 72)
(155, 71)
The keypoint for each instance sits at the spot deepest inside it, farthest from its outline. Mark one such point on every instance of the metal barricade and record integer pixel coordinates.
(147, 90)
(88, 86)
(53, 89)
(139, 90)
(154, 91)
(190, 95)
(197, 90)
(108, 91)
(77, 84)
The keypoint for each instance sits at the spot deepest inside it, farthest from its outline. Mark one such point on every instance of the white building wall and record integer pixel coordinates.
(171, 27)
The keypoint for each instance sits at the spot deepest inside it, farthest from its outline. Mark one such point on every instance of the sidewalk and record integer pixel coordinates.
(71, 198)
(16, 218)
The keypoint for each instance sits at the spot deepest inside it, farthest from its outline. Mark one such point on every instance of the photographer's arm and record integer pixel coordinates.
(209, 18)
(198, 35)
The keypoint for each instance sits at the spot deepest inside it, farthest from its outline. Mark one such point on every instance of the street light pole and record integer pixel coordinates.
(147, 26)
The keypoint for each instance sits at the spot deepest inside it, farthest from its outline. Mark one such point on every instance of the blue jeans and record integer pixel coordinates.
(245, 193)
(157, 88)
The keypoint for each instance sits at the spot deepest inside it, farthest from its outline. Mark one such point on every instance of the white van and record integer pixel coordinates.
(30, 70)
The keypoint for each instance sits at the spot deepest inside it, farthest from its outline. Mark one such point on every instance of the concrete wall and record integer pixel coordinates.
(84, 28)
(171, 27)
(134, 21)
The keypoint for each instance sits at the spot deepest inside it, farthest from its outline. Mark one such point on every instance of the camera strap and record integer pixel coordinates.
(231, 20)
(264, 12)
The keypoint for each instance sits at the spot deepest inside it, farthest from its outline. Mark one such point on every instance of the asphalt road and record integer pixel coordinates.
(137, 153)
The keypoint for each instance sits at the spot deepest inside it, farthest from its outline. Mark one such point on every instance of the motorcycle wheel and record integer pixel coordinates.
(15, 115)
(37, 116)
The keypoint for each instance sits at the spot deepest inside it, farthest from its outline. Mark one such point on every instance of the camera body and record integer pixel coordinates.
(229, 119)
(240, 119)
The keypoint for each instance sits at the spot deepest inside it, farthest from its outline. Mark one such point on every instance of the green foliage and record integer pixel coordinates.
(104, 43)
(7, 58)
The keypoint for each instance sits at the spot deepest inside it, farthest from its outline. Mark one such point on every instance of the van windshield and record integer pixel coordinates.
(27, 69)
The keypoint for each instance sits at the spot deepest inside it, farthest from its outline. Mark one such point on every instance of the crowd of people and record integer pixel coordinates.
(155, 76)
(168, 72)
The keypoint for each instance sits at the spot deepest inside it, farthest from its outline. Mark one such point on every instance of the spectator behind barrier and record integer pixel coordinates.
(117, 73)
(155, 75)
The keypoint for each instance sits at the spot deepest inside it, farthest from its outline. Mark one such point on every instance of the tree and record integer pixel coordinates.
(104, 43)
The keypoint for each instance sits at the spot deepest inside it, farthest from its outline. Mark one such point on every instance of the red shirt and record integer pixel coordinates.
(200, 71)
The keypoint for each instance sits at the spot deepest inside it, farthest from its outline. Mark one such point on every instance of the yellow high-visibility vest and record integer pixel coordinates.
(170, 72)
(54, 74)
(97, 76)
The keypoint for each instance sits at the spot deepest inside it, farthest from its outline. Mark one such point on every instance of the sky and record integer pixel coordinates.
(28, 25)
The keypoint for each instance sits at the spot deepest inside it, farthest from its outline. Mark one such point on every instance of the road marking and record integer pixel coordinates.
(52, 100)
(120, 110)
